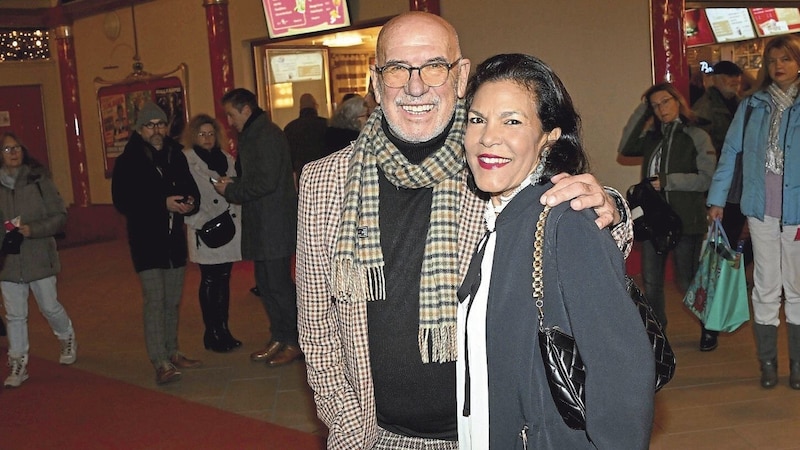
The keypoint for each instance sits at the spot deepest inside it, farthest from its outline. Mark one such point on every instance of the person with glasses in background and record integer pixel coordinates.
(152, 187)
(203, 140)
(33, 213)
(679, 159)
(386, 228)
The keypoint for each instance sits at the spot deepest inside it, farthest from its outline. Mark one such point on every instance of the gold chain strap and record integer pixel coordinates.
(538, 261)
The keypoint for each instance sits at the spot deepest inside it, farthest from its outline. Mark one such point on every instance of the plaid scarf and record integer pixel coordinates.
(358, 260)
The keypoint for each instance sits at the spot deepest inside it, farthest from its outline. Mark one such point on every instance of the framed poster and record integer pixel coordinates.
(119, 105)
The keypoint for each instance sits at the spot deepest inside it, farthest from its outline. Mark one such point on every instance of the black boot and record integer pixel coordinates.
(708, 340)
(794, 355)
(213, 338)
(223, 303)
(767, 347)
(2, 328)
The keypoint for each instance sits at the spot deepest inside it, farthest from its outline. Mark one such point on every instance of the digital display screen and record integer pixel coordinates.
(730, 24)
(698, 31)
(296, 17)
(772, 21)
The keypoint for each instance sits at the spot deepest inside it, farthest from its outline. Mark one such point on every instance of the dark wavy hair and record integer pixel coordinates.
(552, 102)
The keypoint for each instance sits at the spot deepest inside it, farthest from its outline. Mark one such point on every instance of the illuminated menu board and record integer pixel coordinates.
(698, 31)
(730, 24)
(772, 21)
(295, 17)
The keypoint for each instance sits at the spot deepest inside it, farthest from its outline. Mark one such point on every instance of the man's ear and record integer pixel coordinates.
(376, 91)
(463, 77)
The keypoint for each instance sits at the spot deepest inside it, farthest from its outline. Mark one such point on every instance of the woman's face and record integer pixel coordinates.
(206, 137)
(12, 153)
(782, 67)
(665, 106)
(503, 137)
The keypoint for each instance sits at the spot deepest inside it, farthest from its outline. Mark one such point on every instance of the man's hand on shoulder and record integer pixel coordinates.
(583, 191)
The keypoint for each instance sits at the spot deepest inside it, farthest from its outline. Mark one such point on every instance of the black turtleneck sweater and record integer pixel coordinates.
(412, 398)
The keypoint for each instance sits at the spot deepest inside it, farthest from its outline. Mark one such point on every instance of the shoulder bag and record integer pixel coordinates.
(566, 374)
(218, 231)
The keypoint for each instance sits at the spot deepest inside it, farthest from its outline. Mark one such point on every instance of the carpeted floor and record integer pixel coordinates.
(68, 408)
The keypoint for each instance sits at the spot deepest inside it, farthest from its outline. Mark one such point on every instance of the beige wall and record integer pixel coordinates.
(601, 53)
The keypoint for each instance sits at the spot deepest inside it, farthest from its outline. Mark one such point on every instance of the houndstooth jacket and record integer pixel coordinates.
(333, 334)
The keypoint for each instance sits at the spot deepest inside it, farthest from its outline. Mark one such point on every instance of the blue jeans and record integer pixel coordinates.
(685, 258)
(15, 299)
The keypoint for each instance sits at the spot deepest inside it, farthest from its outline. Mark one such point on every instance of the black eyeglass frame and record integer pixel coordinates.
(411, 70)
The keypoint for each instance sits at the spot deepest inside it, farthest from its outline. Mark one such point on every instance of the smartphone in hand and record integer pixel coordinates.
(213, 180)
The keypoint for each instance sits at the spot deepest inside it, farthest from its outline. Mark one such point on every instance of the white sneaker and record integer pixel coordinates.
(69, 350)
(19, 371)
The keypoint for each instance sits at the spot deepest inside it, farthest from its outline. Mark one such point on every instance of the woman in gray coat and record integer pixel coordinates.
(202, 146)
(32, 212)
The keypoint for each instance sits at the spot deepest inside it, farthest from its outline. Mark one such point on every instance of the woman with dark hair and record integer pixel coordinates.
(202, 140)
(33, 213)
(679, 160)
(521, 130)
(765, 132)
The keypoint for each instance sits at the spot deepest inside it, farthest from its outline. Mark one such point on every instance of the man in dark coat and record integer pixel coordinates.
(265, 189)
(153, 189)
(306, 134)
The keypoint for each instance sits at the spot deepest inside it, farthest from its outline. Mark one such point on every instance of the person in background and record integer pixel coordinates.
(33, 213)
(714, 112)
(385, 232)
(521, 130)
(152, 187)
(346, 124)
(266, 190)
(306, 134)
(679, 159)
(207, 161)
(767, 140)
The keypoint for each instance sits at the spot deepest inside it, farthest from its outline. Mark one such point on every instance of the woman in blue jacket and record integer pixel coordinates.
(766, 132)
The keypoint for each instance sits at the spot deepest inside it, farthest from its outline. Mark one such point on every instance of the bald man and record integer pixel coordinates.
(386, 229)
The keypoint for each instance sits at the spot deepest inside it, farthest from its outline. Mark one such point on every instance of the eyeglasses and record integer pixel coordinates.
(433, 74)
(204, 134)
(151, 125)
(12, 149)
(662, 103)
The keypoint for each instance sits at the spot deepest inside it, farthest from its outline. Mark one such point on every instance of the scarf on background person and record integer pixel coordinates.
(357, 272)
(214, 159)
(782, 101)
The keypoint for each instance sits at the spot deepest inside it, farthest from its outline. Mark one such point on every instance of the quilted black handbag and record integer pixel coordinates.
(566, 374)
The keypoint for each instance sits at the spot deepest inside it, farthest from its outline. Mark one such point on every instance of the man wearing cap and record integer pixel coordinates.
(153, 188)
(715, 109)
(306, 134)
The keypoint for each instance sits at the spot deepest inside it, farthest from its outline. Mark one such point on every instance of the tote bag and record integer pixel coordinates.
(718, 293)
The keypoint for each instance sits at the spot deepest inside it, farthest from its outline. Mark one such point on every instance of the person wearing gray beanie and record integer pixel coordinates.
(153, 188)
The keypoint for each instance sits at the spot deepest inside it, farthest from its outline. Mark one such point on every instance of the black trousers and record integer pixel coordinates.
(279, 296)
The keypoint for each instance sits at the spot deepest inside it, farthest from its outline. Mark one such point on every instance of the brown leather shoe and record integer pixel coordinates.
(266, 353)
(180, 361)
(167, 374)
(287, 355)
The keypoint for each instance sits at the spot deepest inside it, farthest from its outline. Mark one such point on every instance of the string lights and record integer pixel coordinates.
(24, 44)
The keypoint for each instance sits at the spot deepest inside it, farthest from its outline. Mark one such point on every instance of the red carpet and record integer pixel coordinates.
(68, 408)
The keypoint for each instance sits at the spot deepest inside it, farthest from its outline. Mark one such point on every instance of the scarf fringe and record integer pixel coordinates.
(350, 281)
(438, 344)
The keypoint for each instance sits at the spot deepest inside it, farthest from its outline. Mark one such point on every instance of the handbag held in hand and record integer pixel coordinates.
(566, 373)
(654, 219)
(717, 294)
(218, 231)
